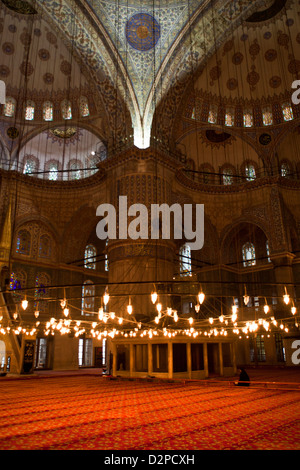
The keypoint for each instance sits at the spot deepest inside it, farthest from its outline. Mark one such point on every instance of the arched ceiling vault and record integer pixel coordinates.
(143, 49)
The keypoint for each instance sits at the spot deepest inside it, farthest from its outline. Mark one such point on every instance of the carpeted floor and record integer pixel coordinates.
(92, 412)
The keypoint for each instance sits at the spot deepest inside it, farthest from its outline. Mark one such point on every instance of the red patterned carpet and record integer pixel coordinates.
(92, 412)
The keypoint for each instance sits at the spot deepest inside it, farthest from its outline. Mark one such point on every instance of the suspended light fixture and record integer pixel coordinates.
(153, 297)
(197, 308)
(293, 309)
(24, 303)
(36, 314)
(221, 318)
(266, 307)
(169, 311)
(66, 312)
(100, 313)
(106, 297)
(246, 297)
(159, 307)
(201, 297)
(191, 320)
(286, 297)
(129, 307)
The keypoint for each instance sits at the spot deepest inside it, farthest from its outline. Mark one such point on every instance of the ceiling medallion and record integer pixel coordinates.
(142, 31)
(265, 139)
(64, 133)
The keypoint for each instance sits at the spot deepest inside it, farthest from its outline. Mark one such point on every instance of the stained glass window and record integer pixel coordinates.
(66, 109)
(30, 166)
(23, 242)
(248, 252)
(45, 246)
(42, 283)
(285, 169)
(250, 173)
(248, 119)
(227, 176)
(29, 111)
(106, 265)
(185, 260)
(268, 251)
(18, 280)
(75, 170)
(287, 111)
(229, 118)
(212, 115)
(48, 111)
(88, 298)
(52, 170)
(90, 257)
(10, 107)
(84, 107)
(267, 117)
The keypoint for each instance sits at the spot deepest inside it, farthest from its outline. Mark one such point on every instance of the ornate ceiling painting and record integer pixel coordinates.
(143, 49)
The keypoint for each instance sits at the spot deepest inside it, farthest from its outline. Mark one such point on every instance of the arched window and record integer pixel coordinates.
(250, 172)
(48, 111)
(229, 117)
(268, 251)
(45, 246)
(51, 169)
(23, 245)
(185, 260)
(287, 112)
(285, 169)
(88, 298)
(75, 168)
(248, 118)
(106, 265)
(18, 280)
(248, 252)
(90, 257)
(30, 165)
(213, 114)
(29, 110)
(84, 107)
(267, 116)
(10, 107)
(42, 283)
(66, 110)
(227, 176)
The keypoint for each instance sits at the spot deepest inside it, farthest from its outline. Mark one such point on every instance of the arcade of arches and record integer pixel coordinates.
(180, 102)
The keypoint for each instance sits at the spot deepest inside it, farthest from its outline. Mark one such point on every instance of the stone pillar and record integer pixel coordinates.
(205, 359)
(150, 359)
(189, 359)
(221, 359)
(170, 360)
(132, 358)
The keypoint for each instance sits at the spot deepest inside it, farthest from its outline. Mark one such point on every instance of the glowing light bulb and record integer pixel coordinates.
(201, 297)
(246, 299)
(293, 310)
(169, 311)
(100, 313)
(106, 298)
(211, 320)
(221, 318)
(158, 307)
(154, 297)
(286, 299)
(266, 308)
(156, 320)
(197, 308)
(63, 303)
(175, 317)
(66, 311)
(36, 313)
(24, 304)
(191, 320)
(120, 321)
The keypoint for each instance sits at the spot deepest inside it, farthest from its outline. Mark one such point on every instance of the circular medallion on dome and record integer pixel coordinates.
(142, 31)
